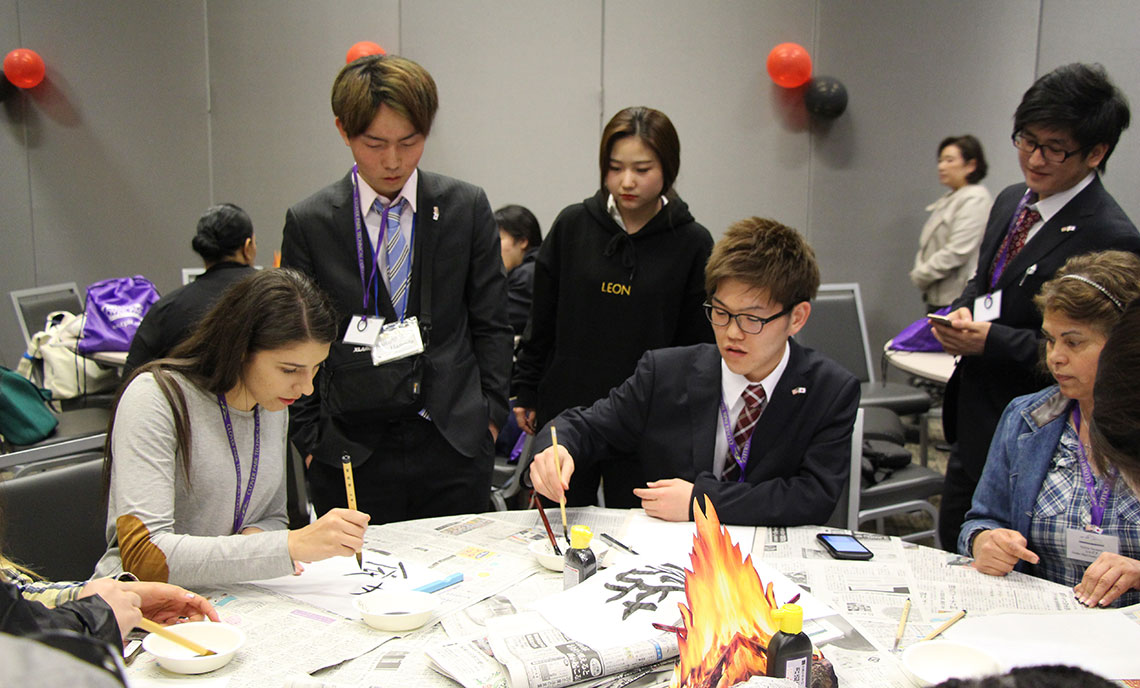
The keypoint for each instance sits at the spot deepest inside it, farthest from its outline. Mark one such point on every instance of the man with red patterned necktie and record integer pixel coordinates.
(758, 424)
(1064, 131)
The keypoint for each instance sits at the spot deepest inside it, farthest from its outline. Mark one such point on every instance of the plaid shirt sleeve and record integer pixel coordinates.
(45, 592)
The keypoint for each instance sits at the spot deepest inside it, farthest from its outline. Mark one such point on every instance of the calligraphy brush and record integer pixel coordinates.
(546, 524)
(350, 489)
(558, 467)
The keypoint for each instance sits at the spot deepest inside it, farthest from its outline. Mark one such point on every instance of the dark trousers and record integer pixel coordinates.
(621, 474)
(413, 473)
(957, 494)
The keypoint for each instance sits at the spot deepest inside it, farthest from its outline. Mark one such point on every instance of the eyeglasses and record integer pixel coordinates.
(749, 324)
(1051, 153)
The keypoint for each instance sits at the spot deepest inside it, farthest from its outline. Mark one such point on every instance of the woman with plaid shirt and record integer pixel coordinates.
(1042, 506)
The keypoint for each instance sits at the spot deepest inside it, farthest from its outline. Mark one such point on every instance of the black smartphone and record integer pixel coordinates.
(843, 546)
(939, 320)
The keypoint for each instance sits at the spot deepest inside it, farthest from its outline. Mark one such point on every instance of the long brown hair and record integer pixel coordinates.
(271, 309)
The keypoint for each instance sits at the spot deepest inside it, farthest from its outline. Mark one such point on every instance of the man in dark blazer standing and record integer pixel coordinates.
(757, 423)
(418, 430)
(1064, 131)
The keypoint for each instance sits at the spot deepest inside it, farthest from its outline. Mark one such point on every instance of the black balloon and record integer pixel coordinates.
(826, 97)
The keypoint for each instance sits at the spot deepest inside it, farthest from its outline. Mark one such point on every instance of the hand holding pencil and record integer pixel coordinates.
(550, 473)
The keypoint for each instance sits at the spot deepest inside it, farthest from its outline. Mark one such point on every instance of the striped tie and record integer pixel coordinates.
(754, 402)
(398, 253)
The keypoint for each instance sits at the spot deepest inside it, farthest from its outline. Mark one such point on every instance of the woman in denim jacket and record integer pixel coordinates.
(1042, 506)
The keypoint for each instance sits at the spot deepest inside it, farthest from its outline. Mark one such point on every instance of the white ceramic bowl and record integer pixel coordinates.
(934, 661)
(223, 639)
(545, 555)
(396, 610)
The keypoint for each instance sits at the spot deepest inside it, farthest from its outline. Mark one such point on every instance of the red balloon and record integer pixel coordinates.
(359, 50)
(789, 65)
(24, 68)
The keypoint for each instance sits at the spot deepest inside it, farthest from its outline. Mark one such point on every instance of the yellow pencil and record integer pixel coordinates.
(949, 622)
(902, 624)
(350, 488)
(558, 467)
(154, 627)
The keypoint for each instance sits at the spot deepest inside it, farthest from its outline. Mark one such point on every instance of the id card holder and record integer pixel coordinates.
(1086, 545)
(398, 340)
(364, 330)
(987, 307)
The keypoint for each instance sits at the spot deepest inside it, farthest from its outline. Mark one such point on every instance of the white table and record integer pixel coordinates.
(867, 597)
(932, 365)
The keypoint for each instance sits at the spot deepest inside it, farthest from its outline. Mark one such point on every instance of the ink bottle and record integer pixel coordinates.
(789, 650)
(580, 561)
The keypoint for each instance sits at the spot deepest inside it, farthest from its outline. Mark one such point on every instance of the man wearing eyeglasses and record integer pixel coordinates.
(757, 423)
(1064, 131)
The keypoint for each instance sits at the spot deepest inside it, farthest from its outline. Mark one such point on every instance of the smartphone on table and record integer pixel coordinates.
(844, 546)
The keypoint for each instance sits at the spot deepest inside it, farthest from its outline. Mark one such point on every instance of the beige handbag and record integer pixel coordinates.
(67, 374)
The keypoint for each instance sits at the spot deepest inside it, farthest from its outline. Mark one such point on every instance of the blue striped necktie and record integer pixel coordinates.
(398, 254)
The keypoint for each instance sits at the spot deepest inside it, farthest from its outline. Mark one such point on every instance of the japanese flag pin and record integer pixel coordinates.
(435, 212)
(1069, 228)
(799, 390)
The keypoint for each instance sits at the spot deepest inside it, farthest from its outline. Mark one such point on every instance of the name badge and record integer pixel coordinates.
(987, 307)
(398, 340)
(1087, 545)
(364, 330)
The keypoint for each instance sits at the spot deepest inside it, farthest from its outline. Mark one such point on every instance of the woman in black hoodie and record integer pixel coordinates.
(618, 274)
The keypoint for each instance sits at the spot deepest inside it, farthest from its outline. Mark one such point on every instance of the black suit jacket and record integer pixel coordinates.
(469, 350)
(667, 414)
(983, 385)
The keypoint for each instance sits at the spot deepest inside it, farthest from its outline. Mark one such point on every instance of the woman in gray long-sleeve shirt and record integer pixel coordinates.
(197, 448)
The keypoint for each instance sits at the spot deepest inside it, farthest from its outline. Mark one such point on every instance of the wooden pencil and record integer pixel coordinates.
(558, 467)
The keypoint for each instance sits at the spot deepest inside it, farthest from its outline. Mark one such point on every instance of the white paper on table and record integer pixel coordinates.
(334, 583)
(1101, 641)
(673, 540)
(619, 606)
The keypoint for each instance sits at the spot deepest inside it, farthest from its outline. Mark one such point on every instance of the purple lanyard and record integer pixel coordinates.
(242, 505)
(1099, 498)
(741, 458)
(1007, 244)
(370, 284)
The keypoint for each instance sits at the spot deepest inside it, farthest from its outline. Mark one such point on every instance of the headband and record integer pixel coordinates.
(1115, 301)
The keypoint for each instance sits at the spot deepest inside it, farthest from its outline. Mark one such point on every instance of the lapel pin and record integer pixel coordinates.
(799, 390)
(435, 212)
(1069, 228)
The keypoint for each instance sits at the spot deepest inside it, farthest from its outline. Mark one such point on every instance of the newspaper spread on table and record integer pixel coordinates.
(488, 638)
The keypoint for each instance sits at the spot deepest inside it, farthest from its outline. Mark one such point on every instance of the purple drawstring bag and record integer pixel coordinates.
(114, 309)
(917, 336)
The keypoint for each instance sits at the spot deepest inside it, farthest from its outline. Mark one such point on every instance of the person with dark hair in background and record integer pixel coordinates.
(619, 274)
(225, 241)
(519, 239)
(1114, 428)
(419, 253)
(1042, 507)
(948, 246)
(1064, 131)
(196, 452)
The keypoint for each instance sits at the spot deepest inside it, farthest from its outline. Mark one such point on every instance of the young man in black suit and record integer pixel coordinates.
(1064, 131)
(418, 430)
(758, 423)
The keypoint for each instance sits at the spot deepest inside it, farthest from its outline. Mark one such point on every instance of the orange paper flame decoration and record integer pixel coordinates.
(728, 622)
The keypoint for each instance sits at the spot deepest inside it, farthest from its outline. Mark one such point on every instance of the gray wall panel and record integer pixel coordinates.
(1113, 24)
(743, 151)
(272, 65)
(17, 259)
(915, 73)
(519, 96)
(115, 137)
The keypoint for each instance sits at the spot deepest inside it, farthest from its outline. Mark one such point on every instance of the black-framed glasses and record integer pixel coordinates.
(1051, 153)
(749, 324)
